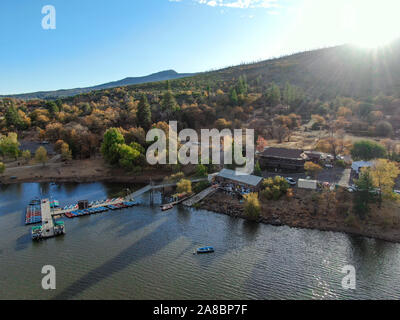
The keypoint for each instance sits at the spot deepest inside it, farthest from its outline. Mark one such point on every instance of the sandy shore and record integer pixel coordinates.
(92, 170)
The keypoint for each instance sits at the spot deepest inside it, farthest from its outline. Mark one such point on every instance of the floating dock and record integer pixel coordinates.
(33, 213)
(99, 208)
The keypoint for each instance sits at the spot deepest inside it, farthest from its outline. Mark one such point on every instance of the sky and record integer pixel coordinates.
(98, 41)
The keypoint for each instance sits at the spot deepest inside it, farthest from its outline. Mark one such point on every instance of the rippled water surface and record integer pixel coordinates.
(143, 253)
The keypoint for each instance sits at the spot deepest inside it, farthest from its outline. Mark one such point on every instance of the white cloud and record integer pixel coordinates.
(243, 4)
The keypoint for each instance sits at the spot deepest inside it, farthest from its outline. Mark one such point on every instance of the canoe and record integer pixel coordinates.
(205, 250)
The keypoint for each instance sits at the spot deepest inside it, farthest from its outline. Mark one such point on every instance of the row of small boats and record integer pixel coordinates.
(89, 211)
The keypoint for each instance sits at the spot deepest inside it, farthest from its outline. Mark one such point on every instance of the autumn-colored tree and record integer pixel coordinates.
(312, 169)
(184, 186)
(65, 152)
(334, 146)
(41, 155)
(261, 144)
(384, 173)
(252, 207)
(26, 154)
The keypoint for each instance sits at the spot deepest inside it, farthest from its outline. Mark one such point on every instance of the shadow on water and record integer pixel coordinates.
(23, 242)
(250, 229)
(136, 252)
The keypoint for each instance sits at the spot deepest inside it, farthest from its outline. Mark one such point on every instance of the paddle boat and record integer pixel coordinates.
(205, 250)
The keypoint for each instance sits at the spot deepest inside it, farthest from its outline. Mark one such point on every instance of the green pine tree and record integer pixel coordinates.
(143, 113)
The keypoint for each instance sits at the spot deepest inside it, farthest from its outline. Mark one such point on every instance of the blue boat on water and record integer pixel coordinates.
(205, 250)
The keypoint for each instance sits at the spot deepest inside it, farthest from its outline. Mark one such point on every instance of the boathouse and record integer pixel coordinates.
(230, 179)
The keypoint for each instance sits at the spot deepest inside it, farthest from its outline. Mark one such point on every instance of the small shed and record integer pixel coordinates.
(307, 184)
(358, 165)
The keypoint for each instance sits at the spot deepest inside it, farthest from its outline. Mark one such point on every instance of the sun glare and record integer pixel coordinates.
(372, 24)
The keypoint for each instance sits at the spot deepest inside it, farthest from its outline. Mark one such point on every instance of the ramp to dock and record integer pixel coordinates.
(47, 219)
(198, 197)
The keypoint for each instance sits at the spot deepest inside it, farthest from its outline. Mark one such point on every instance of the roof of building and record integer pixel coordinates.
(282, 153)
(247, 179)
(356, 166)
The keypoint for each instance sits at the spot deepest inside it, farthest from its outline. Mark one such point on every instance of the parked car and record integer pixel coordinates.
(328, 165)
(291, 181)
(352, 188)
(396, 191)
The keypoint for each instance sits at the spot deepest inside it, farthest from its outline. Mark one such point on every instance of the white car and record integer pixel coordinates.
(328, 166)
(291, 181)
(396, 191)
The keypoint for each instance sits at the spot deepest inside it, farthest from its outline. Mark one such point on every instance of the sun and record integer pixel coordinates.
(372, 25)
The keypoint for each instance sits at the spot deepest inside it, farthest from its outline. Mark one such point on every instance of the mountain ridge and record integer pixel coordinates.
(62, 93)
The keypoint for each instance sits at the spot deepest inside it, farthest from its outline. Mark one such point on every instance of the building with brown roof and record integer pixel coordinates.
(282, 159)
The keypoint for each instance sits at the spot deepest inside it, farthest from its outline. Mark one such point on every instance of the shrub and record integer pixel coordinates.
(175, 177)
(274, 188)
(200, 186)
(341, 163)
(252, 206)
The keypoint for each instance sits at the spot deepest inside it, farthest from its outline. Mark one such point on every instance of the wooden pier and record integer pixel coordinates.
(200, 196)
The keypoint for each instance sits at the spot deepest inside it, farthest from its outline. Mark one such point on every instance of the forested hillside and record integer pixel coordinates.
(340, 88)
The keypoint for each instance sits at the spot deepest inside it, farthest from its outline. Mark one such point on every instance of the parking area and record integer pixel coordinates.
(332, 175)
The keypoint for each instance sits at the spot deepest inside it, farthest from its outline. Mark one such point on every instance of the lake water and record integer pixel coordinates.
(143, 253)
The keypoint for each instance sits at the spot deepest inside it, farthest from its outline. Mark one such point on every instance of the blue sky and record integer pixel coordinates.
(97, 41)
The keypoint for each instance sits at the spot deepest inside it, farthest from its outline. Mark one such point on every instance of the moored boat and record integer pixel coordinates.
(166, 207)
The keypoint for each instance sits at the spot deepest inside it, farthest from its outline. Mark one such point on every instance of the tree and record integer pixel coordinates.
(26, 154)
(252, 207)
(184, 186)
(384, 129)
(109, 148)
(261, 144)
(364, 194)
(128, 156)
(12, 117)
(234, 97)
(257, 170)
(168, 102)
(9, 145)
(384, 173)
(273, 95)
(367, 150)
(66, 153)
(143, 113)
(312, 168)
(201, 170)
(41, 155)
(2, 167)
